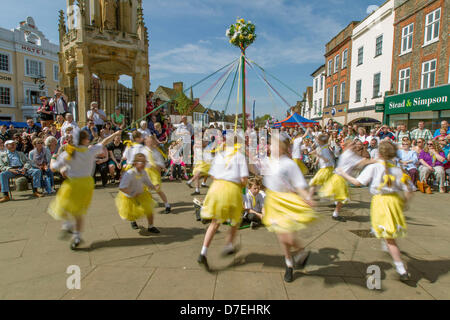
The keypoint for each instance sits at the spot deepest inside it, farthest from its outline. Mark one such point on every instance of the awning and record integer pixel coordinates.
(295, 120)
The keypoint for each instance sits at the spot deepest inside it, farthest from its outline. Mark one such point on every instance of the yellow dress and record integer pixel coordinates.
(223, 202)
(202, 167)
(322, 176)
(335, 188)
(387, 219)
(286, 212)
(302, 166)
(74, 198)
(155, 177)
(132, 209)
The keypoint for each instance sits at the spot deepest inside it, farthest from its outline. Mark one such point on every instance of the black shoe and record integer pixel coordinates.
(405, 277)
(195, 193)
(203, 261)
(168, 210)
(204, 186)
(153, 230)
(339, 218)
(289, 274)
(75, 243)
(254, 225)
(134, 225)
(302, 262)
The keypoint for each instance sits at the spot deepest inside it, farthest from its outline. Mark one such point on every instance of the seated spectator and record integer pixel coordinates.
(253, 204)
(445, 145)
(32, 127)
(118, 119)
(2, 146)
(360, 149)
(59, 123)
(12, 131)
(444, 126)
(108, 129)
(4, 134)
(71, 123)
(40, 159)
(432, 160)
(115, 163)
(145, 132)
(362, 135)
(97, 115)
(54, 132)
(402, 133)
(14, 163)
(91, 130)
(384, 133)
(45, 113)
(101, 165)
(160, 134)
(27, 144)
(408, 160)
(151, 123)
(443, 134)
(52, 145)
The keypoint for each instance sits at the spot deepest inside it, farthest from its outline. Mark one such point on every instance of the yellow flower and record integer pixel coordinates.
(250, 37)
(242, 21)
(241, 37)
(238, 27)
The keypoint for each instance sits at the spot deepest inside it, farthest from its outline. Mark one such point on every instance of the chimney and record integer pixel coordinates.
(178, 86)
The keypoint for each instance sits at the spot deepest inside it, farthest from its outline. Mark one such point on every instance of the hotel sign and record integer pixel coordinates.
(30, 50)
(437, 98)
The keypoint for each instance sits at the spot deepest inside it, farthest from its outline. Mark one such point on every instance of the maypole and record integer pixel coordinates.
(242, 34)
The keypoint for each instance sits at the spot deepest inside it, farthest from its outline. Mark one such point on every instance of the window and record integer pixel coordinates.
(5, 96)
(328, 97)
(330, 65)
(55, 72)
(335, 95)
(320, 105)
(360, 55)
(315, 107)
(342, 92)
(376, 85)
(321, 82)
(429, 74)
(407, 38)
(432, 26)
(32, 96)
(336, 64)
(403, 80)
(344, 58)
(4, 62)
(34, 68)
(358, 90)
(379, 46)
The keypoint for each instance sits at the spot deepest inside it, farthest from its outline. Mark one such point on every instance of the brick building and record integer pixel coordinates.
(420, 69)
(337, 84)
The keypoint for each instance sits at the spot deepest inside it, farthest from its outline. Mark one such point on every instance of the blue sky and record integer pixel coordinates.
(188, 42)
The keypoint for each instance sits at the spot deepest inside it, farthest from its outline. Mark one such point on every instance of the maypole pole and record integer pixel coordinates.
(242, 34)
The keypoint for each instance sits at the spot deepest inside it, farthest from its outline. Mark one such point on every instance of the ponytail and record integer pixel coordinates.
(387, 177)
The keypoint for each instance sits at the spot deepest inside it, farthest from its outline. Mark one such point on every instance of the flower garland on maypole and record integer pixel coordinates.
(242, 35)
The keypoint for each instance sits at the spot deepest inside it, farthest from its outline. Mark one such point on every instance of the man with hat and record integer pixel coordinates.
(14, 163)
(45, 112)
(97, 115)
(59, 103)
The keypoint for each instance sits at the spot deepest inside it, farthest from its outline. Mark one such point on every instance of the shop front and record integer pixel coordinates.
(428, 105)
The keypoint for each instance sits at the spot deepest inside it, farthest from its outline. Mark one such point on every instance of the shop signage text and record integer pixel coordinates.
(31, 50)
(5, 78)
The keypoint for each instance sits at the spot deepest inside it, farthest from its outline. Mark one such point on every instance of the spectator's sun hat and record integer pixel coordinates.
(43, 98)
(9, 142)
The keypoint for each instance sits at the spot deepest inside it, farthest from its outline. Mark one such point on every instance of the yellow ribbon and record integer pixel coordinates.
(162, 153)
(129, 143)
(405, 178)
(387, 177)
(70, 149)
(229, 156)
(253, 200)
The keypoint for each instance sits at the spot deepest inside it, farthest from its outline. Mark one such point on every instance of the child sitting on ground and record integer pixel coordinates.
(253, 203)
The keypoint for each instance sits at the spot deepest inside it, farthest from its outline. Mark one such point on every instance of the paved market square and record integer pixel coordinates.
(117, 262)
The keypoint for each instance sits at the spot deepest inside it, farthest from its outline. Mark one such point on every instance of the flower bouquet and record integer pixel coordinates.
(241, 34)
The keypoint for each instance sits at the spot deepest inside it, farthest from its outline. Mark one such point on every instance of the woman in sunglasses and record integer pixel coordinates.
(432, 160)
(408, 160)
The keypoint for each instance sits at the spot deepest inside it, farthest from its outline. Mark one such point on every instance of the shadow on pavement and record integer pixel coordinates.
(424, 269)
(167, 236)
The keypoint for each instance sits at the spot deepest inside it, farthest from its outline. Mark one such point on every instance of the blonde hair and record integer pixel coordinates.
(254, 182)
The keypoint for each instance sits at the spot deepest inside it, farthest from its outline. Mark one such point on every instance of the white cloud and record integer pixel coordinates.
(371, 8)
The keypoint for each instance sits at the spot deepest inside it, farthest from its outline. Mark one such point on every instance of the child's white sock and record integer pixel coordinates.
(335, 214)
(67, 226)
(400, 267)
(204, 251)
(299, 256)
(289, 263)
(197, 190)
(228, 247)
(76, 235)
(167, 205)
(150, 226)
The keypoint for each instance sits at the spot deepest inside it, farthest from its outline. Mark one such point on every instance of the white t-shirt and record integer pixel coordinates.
(373, 174)
(348, 160)
(81, 164)
(283, 175)
(130, 152)
(230, 169)
(296, 148)
(361, 138)
(135, 181)
(323, 151)
(374, 153)
(75, 132)
(144, 133)
(254, 202)
(98, 121)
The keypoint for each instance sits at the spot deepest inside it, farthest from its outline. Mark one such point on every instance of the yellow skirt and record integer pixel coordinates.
(386, 212)
(74, 198)
(322, 176)
(302, 166)
(132, 209)
(286, 212)
(155, 177)
(223, 202)
(336, 188)
(202, 168)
